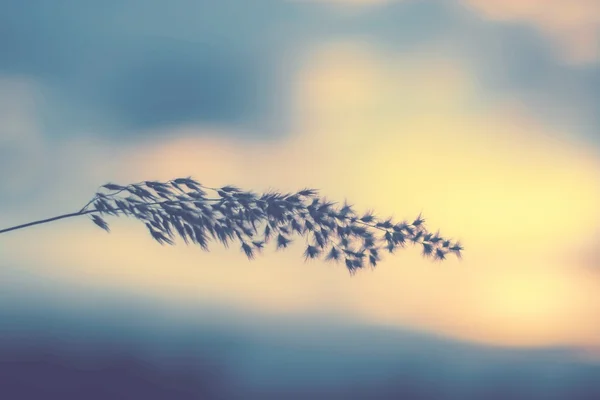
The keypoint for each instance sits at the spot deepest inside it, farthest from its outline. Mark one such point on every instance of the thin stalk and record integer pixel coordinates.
(43, 221)
(83, 211)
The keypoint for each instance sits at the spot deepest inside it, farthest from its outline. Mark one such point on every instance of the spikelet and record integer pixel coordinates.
(183, 208)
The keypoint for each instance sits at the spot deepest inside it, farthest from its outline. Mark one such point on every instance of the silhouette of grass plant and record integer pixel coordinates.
(183, 207)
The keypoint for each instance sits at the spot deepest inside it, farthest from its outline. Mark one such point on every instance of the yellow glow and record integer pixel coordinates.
(399, 136)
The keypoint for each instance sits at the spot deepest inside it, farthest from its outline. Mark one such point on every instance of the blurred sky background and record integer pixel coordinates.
(482, 114)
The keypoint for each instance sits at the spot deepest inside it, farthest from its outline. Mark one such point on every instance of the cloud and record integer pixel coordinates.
(143, 65)
(509, 61)
(433, 111)
(392, 132)
(573, 25)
